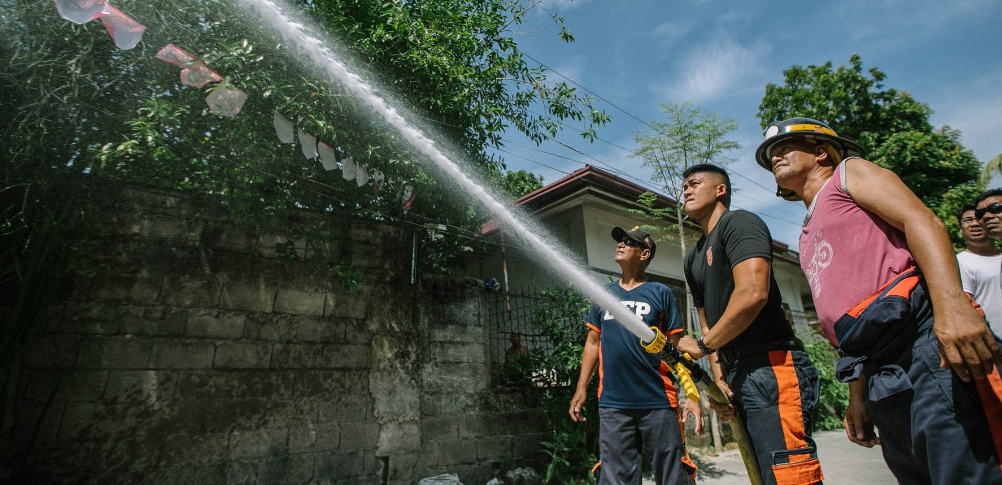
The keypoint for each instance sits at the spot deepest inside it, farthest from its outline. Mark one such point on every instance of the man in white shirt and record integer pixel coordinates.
(979, 267)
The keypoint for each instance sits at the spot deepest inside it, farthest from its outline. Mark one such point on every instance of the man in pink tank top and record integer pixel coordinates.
(919, 358)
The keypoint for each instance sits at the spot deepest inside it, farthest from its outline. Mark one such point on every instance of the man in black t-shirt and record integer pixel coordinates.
(761, 364)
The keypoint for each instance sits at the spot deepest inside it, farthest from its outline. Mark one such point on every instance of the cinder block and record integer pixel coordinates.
(192, 291)
(440, 428)
(356, 333)
(445, 377)
(447, 403)
(172, 325)
(182, 354)
(347, 466)
(357, 407)
(289, 413)
(204, 447)
(297, 356)
(259, 443)
(309, 303)
(245, 414)
(286, 469)
(347, 356)
(264, 383)
(212, 385)
(493, 447)
(397, 437)
(188, 474)
(527, 446)
(326, 383)
(186, 232)
(270, 327)
(460, 352)
(441, 332)
(227, 325)
(359, 435)
(141, 289)
(312, 330)
(253, 296)
(115, 353)
(314, 438)
(266, 245)
(233, 355)
(454, 452)
(344, 306)
(244, 472)
(53, 352)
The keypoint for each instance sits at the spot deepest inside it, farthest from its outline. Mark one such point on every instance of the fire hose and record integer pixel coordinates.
(691, 376)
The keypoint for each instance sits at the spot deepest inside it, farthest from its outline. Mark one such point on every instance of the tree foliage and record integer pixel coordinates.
(689, 136)
(76, 108)
(80, 118)
(892, 127)
(517, 184)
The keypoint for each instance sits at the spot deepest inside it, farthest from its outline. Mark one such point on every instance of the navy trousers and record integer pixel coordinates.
(776, 394)
(624, 434)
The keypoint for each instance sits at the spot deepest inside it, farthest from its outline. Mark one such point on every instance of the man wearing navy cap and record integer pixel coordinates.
(637, 397)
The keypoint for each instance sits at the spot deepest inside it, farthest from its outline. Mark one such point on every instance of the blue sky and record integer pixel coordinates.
(720, 55)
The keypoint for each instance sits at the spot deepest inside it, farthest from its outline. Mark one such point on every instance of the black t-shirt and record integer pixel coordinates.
(738, 236)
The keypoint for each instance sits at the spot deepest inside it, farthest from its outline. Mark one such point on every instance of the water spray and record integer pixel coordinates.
(654, 341)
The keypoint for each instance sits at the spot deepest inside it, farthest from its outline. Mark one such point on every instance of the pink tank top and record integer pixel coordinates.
(847, 252)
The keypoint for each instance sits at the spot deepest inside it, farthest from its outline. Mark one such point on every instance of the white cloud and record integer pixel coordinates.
(668, 33)
(975, 110)
(713, 70)
(561, 4)
(573, 67)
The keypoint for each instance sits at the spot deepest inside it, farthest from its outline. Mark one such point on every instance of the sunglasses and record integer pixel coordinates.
(634, 244)
(995, 208)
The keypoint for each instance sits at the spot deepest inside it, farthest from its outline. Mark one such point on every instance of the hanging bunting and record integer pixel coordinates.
(80, 11)
(327, 158)
(308, 143)
(124, 30)
(408, 197)
(362, 176)
(225, 101)
(377, 180)
(348, 168)
(194, 71)
(284, 129)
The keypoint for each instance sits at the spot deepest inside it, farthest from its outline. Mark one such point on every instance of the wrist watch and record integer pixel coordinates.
(702, 347)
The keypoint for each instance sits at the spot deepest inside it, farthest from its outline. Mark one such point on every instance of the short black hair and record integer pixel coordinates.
(996, 192)
(710, 168)
(964, 208)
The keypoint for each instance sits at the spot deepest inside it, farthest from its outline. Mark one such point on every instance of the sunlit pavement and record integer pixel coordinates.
(842, 462)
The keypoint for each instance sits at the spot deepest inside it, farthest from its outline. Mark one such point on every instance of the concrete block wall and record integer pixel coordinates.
(188, 351)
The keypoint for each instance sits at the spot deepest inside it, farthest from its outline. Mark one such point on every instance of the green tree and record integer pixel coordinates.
(517, 184)
(80, 118)
(892, 127)
(992, 169)
(689, 136)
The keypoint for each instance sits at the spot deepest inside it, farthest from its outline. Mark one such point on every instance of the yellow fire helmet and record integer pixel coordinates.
(813, 131)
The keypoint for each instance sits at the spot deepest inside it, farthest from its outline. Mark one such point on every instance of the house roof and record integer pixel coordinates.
(607, 186)
(587, 177)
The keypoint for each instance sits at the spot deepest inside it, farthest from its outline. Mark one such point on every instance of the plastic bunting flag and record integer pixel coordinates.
(377, 180)
(362, 176)
(194, 71)
(124, 30)
(348, 168)
(226, 101)
(408, 197)
(284, 129)
(80, 11)
(308, 143)
(327, 158)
